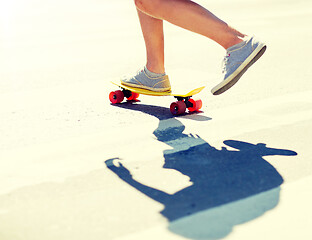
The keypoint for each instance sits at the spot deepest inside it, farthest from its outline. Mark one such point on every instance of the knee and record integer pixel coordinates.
(147, 6)
(141, 4)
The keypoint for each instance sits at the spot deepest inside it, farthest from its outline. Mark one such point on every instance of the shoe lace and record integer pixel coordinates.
(225, 61)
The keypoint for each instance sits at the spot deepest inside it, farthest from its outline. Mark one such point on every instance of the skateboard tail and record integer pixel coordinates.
(193, 92)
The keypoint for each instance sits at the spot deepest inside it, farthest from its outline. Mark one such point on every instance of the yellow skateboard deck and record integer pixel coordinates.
(152, 93)
(176, 108)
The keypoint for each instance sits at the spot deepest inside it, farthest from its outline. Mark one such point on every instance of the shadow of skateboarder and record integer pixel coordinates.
(219, 179)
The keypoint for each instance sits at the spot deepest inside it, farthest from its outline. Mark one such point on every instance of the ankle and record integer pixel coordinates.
(232, 41)
(152, 74)
(158, 69)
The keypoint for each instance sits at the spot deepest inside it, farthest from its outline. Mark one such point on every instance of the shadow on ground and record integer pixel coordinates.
(219, 179)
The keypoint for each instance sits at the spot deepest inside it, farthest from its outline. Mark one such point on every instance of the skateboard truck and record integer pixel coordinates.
(127, 93)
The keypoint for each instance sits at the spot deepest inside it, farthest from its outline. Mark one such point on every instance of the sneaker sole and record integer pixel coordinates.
(230, 81)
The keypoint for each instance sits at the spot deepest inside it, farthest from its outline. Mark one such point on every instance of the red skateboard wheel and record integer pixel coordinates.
(116, 96)
(197, 104)
(177, 108)
(133, 96)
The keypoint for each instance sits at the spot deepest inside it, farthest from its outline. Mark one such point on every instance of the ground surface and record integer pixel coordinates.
(74, 167)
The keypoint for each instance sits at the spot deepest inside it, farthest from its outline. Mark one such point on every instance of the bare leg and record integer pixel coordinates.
(193, 17)
(153, 34)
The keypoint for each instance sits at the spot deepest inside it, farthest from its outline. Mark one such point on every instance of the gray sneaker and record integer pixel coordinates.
(146, 79)
(236, 62)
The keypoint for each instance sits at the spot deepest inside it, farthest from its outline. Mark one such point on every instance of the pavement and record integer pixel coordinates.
(74, 166)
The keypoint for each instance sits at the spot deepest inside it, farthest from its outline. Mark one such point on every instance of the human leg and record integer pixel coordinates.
(191, 16)
(153, 33)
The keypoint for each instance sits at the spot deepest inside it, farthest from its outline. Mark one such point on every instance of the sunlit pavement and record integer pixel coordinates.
(73, 166)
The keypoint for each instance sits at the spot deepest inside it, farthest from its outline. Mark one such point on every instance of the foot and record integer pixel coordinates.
(146, 79)
(238, 59)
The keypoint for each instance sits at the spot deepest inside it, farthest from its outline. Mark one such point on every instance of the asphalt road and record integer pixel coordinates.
(73, 166)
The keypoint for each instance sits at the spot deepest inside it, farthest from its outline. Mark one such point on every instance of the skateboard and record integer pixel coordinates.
(184, 99)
